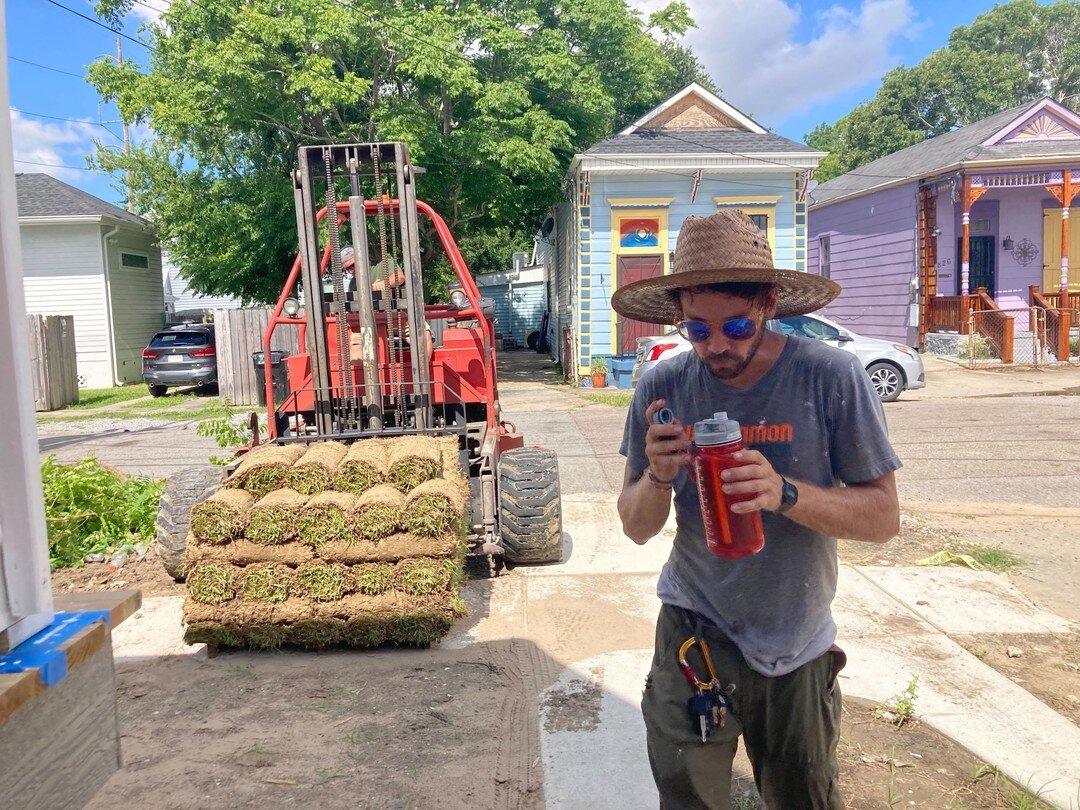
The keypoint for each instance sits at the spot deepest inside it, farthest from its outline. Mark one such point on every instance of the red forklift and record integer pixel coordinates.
(367, 365)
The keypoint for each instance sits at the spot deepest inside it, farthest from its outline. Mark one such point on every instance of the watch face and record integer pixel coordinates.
(789, 496)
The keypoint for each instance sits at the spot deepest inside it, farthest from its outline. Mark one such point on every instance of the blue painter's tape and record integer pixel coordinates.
(42, 651)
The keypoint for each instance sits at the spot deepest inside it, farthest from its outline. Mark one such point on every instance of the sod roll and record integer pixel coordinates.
(373, 579)
(323, 582)
(412, 460)
(222, 516)
(243, 552)
(377, 513)
(265, 469)
(423, 576)
(435, 508)
(324, 519)
(389, 549)
(266, 582)
(212, 583)
(364, 466)
(315, 470)
(274, 517)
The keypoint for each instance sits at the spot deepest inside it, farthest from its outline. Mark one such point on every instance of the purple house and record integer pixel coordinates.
(972, 225)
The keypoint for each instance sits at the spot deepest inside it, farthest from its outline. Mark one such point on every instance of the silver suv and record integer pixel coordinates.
(892, 367)
(180, 356)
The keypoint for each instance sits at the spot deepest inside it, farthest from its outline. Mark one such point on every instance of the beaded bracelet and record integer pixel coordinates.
(659, 483)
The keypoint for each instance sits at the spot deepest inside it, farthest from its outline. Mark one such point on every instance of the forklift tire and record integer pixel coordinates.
(530, 506)
(182, 491)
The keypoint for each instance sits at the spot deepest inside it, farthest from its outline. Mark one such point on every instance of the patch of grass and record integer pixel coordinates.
(373, 578)
(412, 472)
(1017, 798)
(266, 583)
(322, 582)
(211, 584)
(422, 576)
(165, 402)
(619, 400)
(91, 509)
(978, 652)
(316, 633)
(212, 633)
(993, 558)
(104, 397)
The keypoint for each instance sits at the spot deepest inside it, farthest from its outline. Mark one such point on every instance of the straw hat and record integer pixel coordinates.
(726, 247)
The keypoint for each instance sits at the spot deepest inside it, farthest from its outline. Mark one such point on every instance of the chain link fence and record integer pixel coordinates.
(1031, 336)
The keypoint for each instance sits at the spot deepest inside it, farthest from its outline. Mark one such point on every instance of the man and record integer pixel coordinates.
(818, 466)
(378, 278)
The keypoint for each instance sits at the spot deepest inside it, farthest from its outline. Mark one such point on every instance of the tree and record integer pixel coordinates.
(493, 99)
(1012, 54)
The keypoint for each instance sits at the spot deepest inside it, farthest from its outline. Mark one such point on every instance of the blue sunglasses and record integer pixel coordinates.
(740, 328)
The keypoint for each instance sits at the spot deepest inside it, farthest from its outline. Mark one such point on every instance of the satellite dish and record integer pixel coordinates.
(547, 227)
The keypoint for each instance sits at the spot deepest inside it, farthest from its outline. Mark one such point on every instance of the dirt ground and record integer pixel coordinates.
(145, 573)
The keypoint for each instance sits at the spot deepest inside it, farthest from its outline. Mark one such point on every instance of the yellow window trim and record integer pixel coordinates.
(636, 202)
(661, 214)
(746, 200)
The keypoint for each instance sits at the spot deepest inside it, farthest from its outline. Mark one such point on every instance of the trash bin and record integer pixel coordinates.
(280, 376)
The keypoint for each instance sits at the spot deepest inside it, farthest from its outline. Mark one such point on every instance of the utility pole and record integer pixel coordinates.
(127, 139)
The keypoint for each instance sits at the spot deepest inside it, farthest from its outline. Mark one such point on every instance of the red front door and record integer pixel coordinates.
(631, 269)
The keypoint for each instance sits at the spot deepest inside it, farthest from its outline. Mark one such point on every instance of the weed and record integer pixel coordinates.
(258, 749)
(983, 349)
(1017, 798)
(226, 430)
(900, 708)
(743, 803)
(91, 509)
(325, 777)
(993, 558)
(978, 652)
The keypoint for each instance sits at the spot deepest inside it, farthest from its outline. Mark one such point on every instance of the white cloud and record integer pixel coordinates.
(48, 146)
(149, 10)
(752, 50)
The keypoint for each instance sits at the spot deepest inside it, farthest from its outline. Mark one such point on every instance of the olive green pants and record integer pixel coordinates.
(790, 725)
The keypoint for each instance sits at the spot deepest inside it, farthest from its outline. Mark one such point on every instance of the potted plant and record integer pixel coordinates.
(599, 372)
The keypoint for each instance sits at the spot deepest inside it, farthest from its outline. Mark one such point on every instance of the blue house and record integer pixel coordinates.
(628, 196)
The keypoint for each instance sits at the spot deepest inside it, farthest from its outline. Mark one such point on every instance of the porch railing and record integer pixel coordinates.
(1056, 319)
(949, 313)
(993, 323)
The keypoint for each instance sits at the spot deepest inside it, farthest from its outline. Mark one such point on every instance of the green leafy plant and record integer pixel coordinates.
(900, 708)
(91, 509)
(599, 365)
(228, 432)
(978, 347)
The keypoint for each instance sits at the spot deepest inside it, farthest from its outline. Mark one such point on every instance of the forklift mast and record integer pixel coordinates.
(403, 397)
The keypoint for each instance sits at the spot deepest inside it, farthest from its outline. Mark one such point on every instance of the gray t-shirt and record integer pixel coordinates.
(816, 418)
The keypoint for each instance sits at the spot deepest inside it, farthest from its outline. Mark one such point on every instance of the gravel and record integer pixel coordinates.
(56, 427)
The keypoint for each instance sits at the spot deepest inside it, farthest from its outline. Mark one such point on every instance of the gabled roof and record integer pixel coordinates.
(1010, 135)
(708, 102)
(700, 129)
(40, 196)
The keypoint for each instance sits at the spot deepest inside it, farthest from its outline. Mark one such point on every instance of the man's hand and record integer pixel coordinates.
(755, 477)
(667, 446)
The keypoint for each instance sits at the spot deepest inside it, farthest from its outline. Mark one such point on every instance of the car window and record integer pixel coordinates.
(806, 327)
(163, 340)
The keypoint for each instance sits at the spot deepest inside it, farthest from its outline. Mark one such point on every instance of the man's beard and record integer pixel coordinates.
(728, 365)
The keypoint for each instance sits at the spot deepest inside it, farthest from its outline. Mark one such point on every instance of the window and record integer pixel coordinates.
(762, 222)
(163, 340)
(808, 327)
(134, 261)
(825, 257)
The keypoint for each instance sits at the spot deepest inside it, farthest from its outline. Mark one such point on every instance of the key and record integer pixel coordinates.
(701, 714)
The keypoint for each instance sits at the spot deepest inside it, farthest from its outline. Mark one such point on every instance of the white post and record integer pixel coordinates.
(965, 265)
(1065, 246)
(25, 593)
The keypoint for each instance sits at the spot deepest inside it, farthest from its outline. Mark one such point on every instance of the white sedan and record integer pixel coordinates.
(892, 367)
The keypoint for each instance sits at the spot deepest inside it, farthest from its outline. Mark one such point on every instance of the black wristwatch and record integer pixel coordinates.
(789, 496)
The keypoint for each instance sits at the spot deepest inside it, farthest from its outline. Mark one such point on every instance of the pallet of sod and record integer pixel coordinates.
(383, 567)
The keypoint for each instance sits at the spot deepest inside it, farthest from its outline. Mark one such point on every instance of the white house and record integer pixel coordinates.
(181, 301)
(88, 258)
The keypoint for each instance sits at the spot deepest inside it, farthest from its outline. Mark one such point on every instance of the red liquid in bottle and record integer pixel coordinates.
(727, 534)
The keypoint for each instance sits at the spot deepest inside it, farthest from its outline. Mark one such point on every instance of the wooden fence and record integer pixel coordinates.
(239, 334)
(52, 360)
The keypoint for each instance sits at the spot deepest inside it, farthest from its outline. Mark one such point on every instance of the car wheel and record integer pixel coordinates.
(887, 380)
(157, 390)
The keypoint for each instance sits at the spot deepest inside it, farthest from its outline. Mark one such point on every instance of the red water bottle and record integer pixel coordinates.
(727, 534)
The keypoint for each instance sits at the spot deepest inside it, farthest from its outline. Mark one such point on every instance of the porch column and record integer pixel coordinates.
(1067, 195)
(965, 236)
(970, 196)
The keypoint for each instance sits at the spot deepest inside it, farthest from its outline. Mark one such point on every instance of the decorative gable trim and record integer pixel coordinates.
(1046, 121)
(679, 115)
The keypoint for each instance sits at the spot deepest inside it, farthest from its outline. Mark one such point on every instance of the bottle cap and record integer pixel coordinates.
(717, 430)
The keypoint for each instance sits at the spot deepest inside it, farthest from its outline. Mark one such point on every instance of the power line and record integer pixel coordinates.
(100, 24)
(46, 67)
(58, 166)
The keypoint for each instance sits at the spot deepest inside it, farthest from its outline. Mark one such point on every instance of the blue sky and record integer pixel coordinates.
(790, 65)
